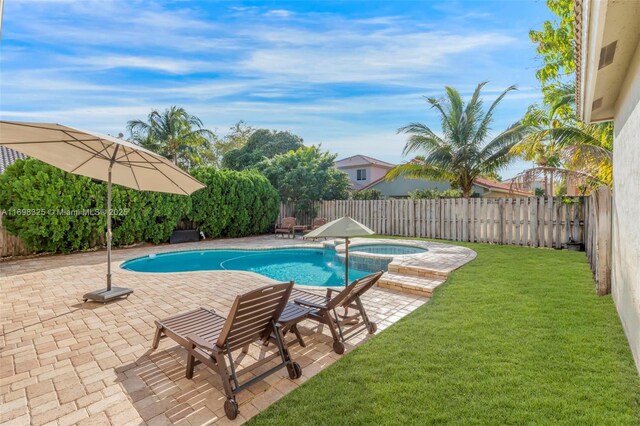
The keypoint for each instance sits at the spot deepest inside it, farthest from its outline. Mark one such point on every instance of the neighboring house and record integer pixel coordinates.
(400, 187)
(574, 185)
(363, 170)
(525, 186)
(607, 39)
(8, 157)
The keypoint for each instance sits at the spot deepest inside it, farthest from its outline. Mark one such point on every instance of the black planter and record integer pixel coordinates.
(184, 236)
(574, 246)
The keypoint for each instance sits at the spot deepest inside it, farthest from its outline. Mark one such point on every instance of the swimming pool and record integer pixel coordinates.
(306, 266)
(393, 249)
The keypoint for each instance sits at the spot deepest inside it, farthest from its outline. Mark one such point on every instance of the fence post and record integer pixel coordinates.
(501, 219)
(603, 274)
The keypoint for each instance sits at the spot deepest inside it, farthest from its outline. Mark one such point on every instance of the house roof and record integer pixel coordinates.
(498, 186)
(485, 183)
(606, 36)
(8, 157)
(372, 183)
(577, 44)
(362, 160)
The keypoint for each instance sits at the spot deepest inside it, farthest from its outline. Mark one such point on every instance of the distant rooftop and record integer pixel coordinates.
(8, 157)
(362, 160)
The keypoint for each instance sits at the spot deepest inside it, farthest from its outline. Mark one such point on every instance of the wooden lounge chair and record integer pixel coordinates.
(210, 338)
(325, 308)
(317, 223)
(286, 227)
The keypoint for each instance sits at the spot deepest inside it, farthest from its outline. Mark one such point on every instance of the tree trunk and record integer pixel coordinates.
(467, 190)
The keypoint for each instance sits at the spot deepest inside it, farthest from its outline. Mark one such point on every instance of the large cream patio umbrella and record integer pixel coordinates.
(99, 157)
(345, 227)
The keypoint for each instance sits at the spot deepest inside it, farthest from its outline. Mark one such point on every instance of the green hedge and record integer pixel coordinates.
(234, 203)
(39, 202)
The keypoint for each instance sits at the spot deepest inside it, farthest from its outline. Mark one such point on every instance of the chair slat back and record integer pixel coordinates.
(353, 290)
(253, 314)
(288, 222)
(318, 222)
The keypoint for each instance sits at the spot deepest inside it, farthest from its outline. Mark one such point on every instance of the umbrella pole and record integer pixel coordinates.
(111, 292)
(346, 261)
(109, 230)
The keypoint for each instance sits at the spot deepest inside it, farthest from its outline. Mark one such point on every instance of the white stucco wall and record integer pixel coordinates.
(373, 173)
(376, 173)
(625, 278)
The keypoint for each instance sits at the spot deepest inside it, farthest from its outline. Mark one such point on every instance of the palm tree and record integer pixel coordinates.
(461, 154)
(563, 147)
(538, 146)
(176, 135)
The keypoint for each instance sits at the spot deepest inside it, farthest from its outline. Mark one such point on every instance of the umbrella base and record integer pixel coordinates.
(105, 295)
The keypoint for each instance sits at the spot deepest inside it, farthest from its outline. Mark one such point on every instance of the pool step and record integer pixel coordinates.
(410, 284)
(417, 271)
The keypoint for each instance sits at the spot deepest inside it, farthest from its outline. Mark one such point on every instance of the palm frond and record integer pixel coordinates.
(483, 127)
(417, 171)
(566, 137)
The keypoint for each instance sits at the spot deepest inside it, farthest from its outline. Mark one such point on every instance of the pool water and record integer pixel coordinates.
(387, 249)
(303, 265)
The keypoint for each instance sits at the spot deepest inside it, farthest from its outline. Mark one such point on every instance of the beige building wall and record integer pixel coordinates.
(374, 173)
(377, 172)
(625, 277)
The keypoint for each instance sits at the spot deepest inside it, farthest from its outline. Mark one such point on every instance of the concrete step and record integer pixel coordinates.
(410, 284)
(416, 271)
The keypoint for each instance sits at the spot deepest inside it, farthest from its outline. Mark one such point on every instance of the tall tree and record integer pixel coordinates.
(462, 153)
(582, 149)
(306, 175)
(262, 143)
(237, 137)
(564, 148)
(554, 45)
(176, 135)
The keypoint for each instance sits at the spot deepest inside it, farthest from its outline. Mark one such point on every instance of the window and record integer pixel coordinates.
(361, 174)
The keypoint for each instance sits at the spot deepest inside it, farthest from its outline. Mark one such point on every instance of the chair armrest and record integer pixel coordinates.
(329, 293)
(199, 341)
(309, 304)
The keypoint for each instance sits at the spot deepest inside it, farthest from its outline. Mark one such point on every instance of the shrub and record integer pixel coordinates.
(52, 210)
(366, 194)
(234, 203)
(434, 193)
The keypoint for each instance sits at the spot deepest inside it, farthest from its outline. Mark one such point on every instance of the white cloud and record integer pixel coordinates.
(346, 56)
(279, 13)
(161, 64)
(346, 81)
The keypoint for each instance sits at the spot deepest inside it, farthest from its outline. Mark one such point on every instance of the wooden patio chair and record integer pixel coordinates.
(210, 338)
(317, 223)
(325, 309)
(286, 227)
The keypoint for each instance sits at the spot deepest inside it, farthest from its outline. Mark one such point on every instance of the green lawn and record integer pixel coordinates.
(518, 336)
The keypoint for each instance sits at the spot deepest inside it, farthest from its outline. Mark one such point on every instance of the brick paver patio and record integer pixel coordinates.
(66, 362)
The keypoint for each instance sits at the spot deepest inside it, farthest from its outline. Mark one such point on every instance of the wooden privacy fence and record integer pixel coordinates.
(535, 221)
(10, 245)
(598, 237)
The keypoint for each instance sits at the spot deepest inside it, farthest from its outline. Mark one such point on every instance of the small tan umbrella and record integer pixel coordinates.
(99, 157)
(345, 227)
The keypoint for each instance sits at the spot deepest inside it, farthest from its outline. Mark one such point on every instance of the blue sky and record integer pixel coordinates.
(343, 74)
